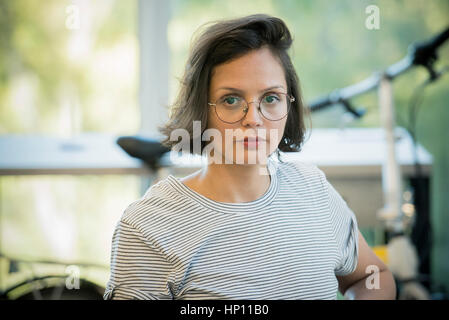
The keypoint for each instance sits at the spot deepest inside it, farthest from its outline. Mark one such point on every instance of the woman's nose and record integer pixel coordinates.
(252, 117)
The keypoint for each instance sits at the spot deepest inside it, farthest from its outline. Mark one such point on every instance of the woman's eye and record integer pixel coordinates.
(271, 99)
(230, 100)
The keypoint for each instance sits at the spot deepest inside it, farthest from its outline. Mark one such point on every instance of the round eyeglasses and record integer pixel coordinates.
(273, 106)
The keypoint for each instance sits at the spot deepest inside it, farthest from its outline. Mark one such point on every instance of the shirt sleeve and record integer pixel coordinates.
(138, 270)
(345, 229)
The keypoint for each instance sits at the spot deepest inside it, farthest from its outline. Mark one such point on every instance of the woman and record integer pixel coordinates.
(245, 226)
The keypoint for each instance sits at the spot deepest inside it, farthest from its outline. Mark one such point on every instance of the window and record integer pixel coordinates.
(66, 68)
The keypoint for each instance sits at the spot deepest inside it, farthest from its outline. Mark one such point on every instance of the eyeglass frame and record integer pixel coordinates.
(246, 108)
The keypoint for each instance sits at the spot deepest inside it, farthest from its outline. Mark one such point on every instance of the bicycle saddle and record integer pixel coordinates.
(149, 150)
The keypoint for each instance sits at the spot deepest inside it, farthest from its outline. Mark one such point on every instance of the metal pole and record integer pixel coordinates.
(154, 65)
(391, 213)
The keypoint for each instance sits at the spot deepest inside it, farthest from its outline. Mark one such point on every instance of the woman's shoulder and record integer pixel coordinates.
(301, 170)
(158, 202)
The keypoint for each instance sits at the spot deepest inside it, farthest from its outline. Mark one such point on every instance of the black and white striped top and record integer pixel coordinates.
(174, 243)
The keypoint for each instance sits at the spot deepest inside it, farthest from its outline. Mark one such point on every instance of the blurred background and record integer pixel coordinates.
(75, 75)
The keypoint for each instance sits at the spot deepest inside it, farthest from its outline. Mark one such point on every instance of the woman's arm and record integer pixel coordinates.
(370, 280)
(138, 271)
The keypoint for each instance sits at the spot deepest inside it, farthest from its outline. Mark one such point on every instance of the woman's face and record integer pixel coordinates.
(256, 75)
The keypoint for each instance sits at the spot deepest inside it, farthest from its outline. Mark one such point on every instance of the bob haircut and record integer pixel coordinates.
(222, 42)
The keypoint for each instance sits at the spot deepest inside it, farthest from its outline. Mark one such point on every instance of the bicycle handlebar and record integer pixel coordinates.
(422, 53)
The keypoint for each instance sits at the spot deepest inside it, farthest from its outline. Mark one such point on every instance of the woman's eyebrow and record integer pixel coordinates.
(238, 90)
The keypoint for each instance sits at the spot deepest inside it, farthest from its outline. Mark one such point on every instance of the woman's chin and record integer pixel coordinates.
(241, 154)
(249, 157)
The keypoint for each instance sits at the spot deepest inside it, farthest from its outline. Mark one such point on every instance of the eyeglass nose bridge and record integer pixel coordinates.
(246, 108)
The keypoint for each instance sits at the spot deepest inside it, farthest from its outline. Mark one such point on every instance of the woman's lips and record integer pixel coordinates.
(252, 142)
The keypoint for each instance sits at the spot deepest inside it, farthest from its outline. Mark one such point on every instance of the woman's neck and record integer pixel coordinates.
(230, 182)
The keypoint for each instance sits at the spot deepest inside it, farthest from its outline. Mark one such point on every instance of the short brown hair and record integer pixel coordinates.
(221, 42)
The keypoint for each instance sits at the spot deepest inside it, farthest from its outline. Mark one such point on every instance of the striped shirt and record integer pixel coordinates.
(174, 243)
